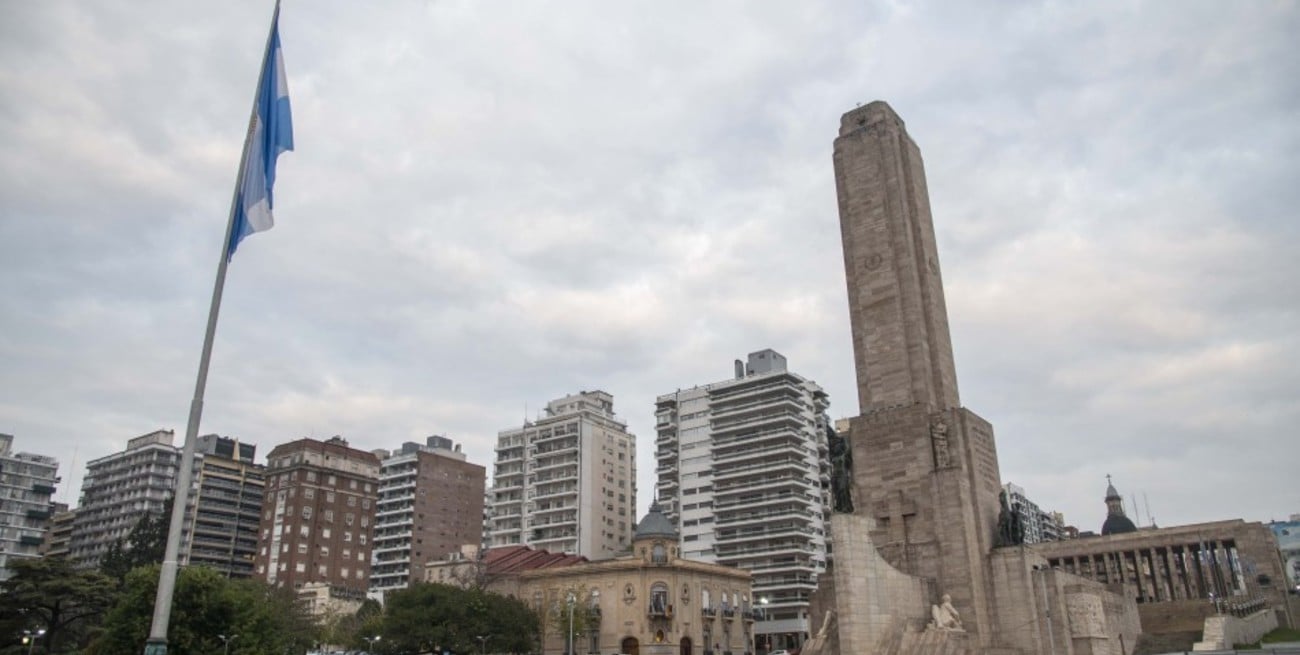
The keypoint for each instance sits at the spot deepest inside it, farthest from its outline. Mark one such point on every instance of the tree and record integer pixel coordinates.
(206, 604)
(427, 617)
(584, 618)
(50, 594)
(146, 544)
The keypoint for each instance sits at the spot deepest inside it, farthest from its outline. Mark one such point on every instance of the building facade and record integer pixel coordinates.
(223, 516)
(430, 504)
(59, 534)
(1288, 541)
(567, 481)
(1038, 525)
(26, 488)
(118, 490)
(743, 473)
(317, 519)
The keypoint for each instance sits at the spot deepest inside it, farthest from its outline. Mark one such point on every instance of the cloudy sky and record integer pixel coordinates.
(495, 205)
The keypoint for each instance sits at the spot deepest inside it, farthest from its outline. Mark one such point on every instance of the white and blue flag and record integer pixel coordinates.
(270, 134)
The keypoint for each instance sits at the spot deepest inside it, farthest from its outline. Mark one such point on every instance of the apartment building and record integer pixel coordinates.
(26, 487)
(118, 490)
(430, 505)
(317, 518)
(223, 516)
(1038, 525)
(567, 481)
(743, 473)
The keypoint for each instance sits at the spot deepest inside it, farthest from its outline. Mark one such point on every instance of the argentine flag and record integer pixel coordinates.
(270, 134)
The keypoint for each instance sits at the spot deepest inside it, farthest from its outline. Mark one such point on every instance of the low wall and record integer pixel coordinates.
(1223, 631)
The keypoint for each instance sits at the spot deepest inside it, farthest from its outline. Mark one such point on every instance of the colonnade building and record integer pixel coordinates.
(743, 470)
(1178, 575)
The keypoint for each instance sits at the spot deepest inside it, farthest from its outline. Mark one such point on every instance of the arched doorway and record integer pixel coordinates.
(686, 646)
(631, 646)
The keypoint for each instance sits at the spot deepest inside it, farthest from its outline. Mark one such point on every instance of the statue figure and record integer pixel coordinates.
(945, 616)
(1010, 531)
(939, 440)
(819, 644)
(841, 472)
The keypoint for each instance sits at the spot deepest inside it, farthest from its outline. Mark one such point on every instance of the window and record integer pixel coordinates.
(329, 496)
(325, 533)
(352, 501)
(300, 567)
(311, 476)
(329, 516)
(306, 513)
(309, 493)
(302, 548)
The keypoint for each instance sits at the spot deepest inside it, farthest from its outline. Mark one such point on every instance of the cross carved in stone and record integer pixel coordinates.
(896, 514)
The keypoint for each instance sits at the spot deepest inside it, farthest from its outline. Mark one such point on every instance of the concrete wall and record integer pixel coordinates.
(1224, 631)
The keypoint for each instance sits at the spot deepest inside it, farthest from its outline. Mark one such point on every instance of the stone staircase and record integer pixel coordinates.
(1170, 642)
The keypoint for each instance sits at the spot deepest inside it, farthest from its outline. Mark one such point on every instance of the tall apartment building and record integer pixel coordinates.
(430, 504)
(58, 533)
(316, 521)
(1038, 525)
(223, 516)
(567, 481)
(118, 490)
(743, 472)
(26, 486)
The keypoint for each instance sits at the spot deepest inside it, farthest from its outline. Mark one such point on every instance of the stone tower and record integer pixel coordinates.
(925, 469)
(921, 472)
(896, 308)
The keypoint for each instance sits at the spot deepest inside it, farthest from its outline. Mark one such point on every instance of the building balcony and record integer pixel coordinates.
(659, 611)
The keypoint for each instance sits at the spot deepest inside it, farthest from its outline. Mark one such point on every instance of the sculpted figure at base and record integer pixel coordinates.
(841, 472)
(820, 642)
(946, 616)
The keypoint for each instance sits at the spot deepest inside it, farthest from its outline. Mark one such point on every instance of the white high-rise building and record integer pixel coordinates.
(26, 487)
(743, 472)
(567, 481)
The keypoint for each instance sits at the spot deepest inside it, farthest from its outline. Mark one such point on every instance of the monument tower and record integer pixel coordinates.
(917, 494)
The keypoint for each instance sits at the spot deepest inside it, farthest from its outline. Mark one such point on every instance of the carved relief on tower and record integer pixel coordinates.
(939, 442)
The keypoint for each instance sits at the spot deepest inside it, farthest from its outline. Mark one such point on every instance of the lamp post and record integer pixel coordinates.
(482, 643)
(225, 642)
(30, 638)
(370, 641)
(767, 636)
(572, 599)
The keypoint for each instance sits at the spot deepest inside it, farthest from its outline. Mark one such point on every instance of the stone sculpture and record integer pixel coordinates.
(841, 472)
(1010, 531)
(946, 617)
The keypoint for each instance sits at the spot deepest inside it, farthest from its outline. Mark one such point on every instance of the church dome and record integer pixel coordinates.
(1117, 524)
(655, 524)
(1116, 521)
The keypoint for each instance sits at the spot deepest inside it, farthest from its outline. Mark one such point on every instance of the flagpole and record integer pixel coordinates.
(157, 642)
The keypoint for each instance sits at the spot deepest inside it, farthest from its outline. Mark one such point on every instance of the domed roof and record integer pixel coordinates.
(1117, 524)
(655, 524)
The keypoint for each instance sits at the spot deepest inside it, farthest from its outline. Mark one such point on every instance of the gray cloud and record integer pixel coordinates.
(491, 209)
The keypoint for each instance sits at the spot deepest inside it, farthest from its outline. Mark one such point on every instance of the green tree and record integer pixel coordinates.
(584, 619)
(206, 604)
(143, 546)
(50, 594)
(425, 617)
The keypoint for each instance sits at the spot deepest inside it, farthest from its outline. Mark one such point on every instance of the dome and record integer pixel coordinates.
(1117, 524)
(655, 524)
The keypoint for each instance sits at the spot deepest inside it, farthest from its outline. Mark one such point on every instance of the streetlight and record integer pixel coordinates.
(572, 599)
(30, 638)
(482, 643)
(371, 641)
(225, 642)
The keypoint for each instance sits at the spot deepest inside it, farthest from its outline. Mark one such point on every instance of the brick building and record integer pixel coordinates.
(317, 519)
(430, 503)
